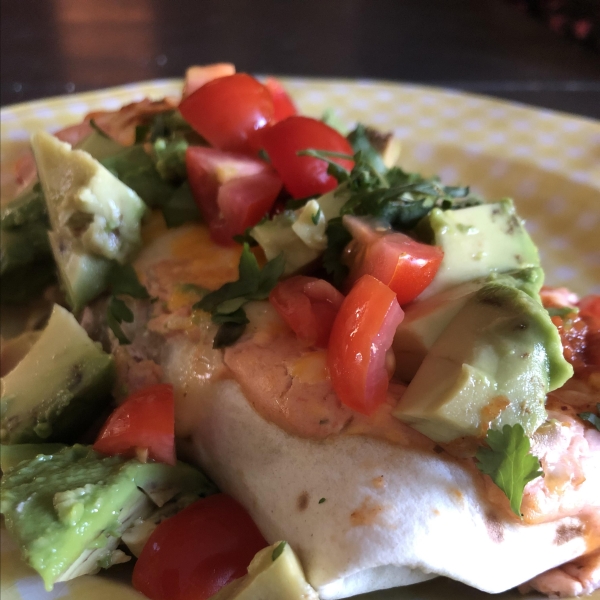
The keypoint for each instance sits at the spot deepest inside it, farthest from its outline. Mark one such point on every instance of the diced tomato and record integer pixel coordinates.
(361, 336)
(192, 555)
(309, 306)
(303, 175)
(144, 422)
(232, 191)
(198, 75)
(403, 264)
(229, 110)
(283, 104)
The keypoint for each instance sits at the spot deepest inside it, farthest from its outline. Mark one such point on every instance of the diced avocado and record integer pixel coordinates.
(425, 319)
(86, 202)
(13, 454)
(295, 234)
(68, 510)
(99, 146)
(493, 365)
(83, 276)
(275, 573)
(58, 388)
(477, 241)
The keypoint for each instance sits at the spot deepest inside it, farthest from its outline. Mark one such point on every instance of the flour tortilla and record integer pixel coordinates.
(391, 516)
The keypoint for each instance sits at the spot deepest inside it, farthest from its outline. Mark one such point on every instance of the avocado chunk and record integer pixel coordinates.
(300, 234)
(477, 241)
(493, 365)
(58, 388)
(275, 573)
(94, 217)
(68, 510)
(12, 455)
(425, 319)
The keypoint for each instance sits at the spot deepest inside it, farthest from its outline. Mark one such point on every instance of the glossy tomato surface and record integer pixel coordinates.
(362, 334)
(403, 264)
(309, 306)
(144, 422)
(284, 106)
(303, 175)
(227, 111)
(232, 191)
(192, 555)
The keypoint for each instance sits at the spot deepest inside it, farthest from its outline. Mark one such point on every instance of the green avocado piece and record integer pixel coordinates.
(68, 510)
(492, 365)
(12, 455)
(425, 319)
(58, 388)
(477, 241)
(275, 573)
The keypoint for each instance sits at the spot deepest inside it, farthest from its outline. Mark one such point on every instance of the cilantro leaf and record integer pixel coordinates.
(278, 551)
(97, 129)
(338, 237)
(123, 281)
(226, 303)
(508, 461)
(591, 417)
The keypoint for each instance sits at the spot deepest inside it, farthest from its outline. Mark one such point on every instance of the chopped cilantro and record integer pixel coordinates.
(591, 417)
(322, 500)
(123, 281)
(508, 461)
(225, 304)
(278, 551)
(316, 216)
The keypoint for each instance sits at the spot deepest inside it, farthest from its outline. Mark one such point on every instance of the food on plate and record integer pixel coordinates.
(363, 360)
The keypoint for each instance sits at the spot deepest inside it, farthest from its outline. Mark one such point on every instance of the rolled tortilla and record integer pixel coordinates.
(390, 516)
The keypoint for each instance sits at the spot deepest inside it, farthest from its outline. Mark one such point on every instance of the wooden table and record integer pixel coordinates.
(52, 47)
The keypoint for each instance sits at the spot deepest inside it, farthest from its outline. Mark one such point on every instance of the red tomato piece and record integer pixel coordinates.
(145, 421)
(198, 75)
(227, 111)
(232, 191)
(309, 306)
(362, 334)
(589, 308)
(303, 175)
(283, 104)
(403, 264)
(192, 555)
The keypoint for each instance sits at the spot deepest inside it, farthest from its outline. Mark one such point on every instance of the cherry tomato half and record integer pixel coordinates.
(227, 111)
(232, 191)
(283, 104)
(192, 555)
(362, 334)
(145, 421)
(303, 175)
(309, 306)
(403, 264)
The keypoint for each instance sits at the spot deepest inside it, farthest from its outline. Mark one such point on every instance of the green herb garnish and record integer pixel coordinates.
(278, 551)
(123, 281)
(225, 304)
(562, 311)
(322, 500)
(508, 461)
(316, 216)
(97, 129)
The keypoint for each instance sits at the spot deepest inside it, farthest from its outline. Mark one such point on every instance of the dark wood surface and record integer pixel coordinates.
(53, 47)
